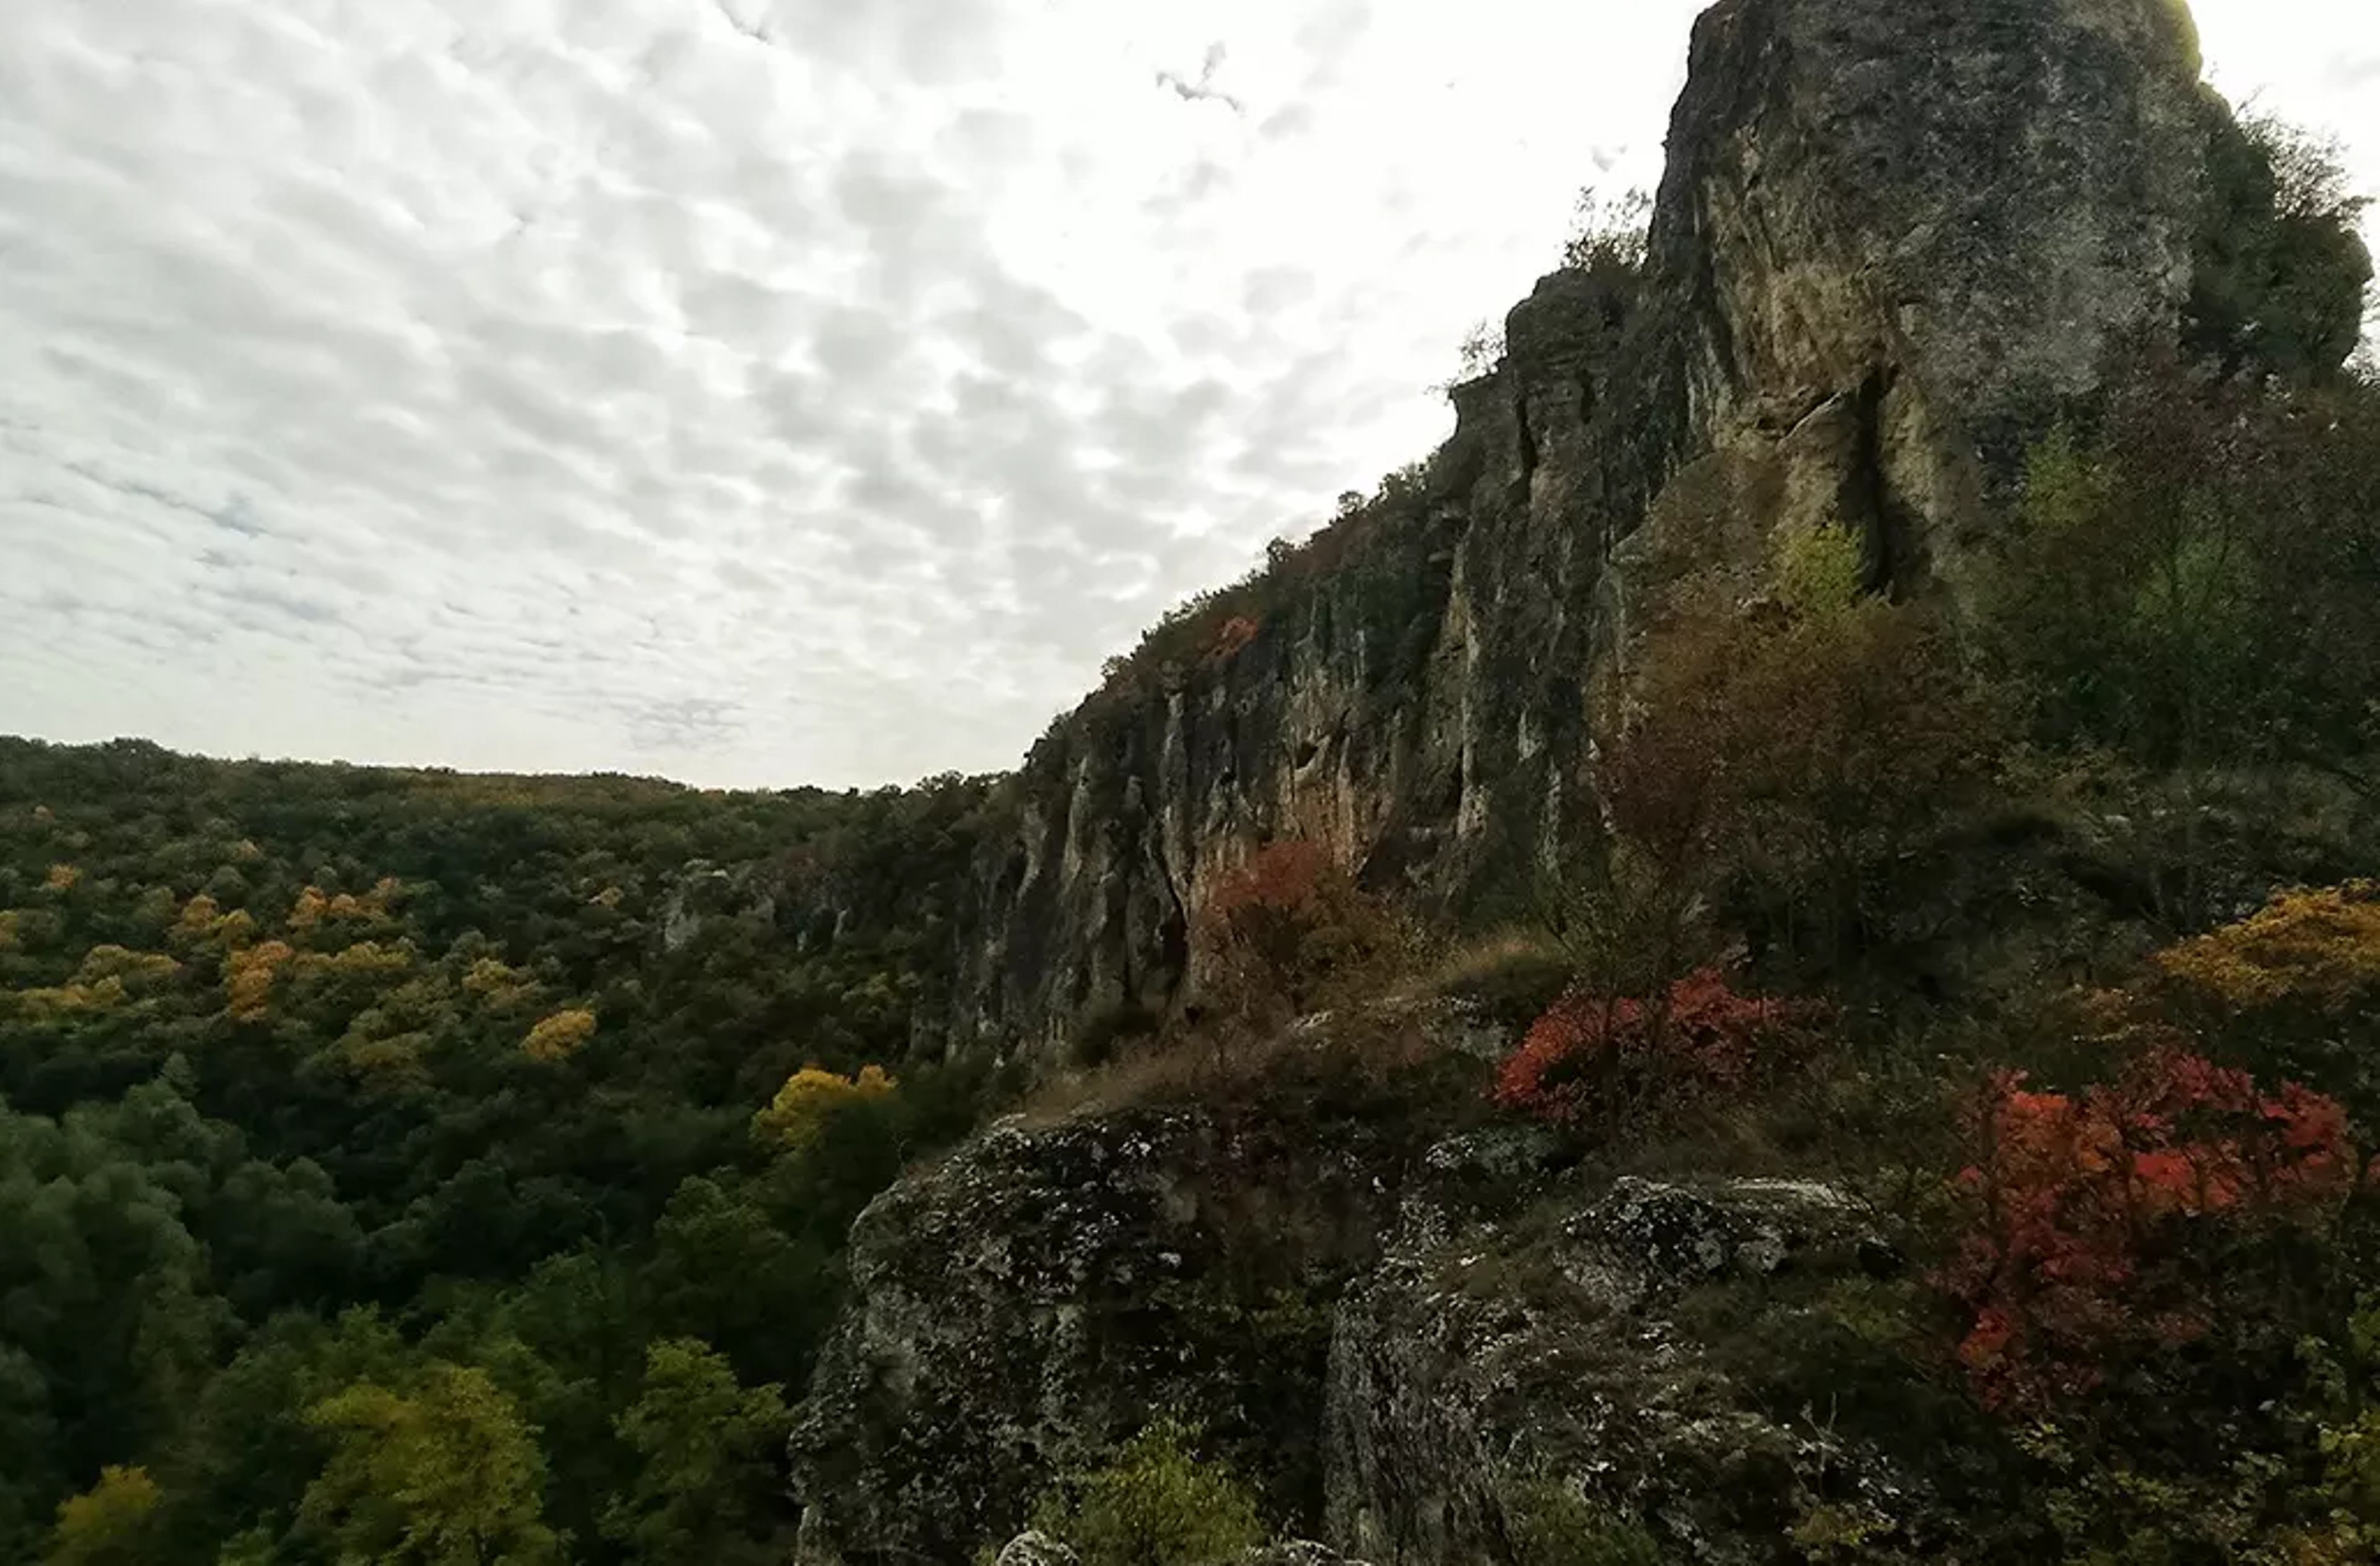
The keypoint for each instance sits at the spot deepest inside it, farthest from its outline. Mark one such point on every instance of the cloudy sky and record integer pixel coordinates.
(756, 391)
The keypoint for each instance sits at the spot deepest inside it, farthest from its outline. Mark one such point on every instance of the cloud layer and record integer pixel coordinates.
(753, 391)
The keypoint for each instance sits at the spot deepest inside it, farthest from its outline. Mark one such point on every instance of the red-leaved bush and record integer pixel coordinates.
(1592, 1061)
(1288, 931)
(1230, 636)
(2102, 1222)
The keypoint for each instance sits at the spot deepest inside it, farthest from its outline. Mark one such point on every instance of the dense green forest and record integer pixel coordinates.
(368, 1134)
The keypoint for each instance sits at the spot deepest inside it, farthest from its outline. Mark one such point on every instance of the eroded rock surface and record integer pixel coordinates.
(1046, 1290)
(1482, 1359)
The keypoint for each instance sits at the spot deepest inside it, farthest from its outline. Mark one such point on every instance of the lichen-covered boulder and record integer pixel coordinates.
(1569, 1343)
(1045, 1289)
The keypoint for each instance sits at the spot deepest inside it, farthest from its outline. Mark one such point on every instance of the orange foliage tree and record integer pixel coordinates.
(1287, 932)
(2108, 1226)
(1596, 1061)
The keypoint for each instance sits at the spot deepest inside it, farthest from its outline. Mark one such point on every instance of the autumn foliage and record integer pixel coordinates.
(1230, 636)
(1287, 932)
(2100, 1219)
(561, 1035)
(811, 1097)
(1596, 1061)
(2317, 946)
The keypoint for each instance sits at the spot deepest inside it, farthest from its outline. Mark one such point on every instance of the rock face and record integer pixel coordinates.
(1045, 1291)
(1892, 240)
(1484, 1360)
(1403, 1355)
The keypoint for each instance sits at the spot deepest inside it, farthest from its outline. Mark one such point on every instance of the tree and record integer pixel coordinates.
(706, 1487)
(1791, 751)
(1608, 237)
(811, 1097)
(1288, 931)
(1482, 351)
(560, 1036)
(111, 1524)
(448, 1476)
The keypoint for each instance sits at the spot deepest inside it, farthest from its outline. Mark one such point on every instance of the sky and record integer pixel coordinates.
(757, 391)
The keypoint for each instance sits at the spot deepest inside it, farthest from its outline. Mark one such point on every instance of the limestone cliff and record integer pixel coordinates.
(1892, 240)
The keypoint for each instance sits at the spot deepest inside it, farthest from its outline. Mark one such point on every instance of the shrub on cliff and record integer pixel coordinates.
(1290, 932)
(1794, 748)
(2189, 583)
(1156, 1502)
(1605, 1062)
(2131, 1219)
(2282, 267)
(1552, 1524)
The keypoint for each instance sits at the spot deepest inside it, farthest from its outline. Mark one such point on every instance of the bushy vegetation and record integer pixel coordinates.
(1290, 932)
(1599, 1060)
(1552, 1524)
(1354, 577)
(1154, 1502)
(406, 1166)
(2281, 269)
(2132, 1184)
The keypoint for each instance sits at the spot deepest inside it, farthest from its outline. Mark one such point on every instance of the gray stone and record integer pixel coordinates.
(1478, 1359)
(1044, 1290)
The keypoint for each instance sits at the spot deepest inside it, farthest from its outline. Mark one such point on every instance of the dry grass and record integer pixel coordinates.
(1514, 973)
(1362, 1058)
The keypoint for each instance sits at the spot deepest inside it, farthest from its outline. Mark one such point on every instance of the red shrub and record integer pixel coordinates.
(1287, 931)
(1591, 1061)
(1230, 636)
(2095, 1217)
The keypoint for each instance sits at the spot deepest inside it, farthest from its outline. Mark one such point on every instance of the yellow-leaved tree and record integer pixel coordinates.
(810, 1098)
(248, 978)
(111, 1524)
(561, 1035)
(2292, 991)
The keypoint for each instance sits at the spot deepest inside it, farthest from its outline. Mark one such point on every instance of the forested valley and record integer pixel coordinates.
(387, 1163)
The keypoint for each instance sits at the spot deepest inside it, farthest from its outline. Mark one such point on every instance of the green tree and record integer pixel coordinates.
(1155, 1503)
(450, 1475)
(707, 1485)
(111, 1524)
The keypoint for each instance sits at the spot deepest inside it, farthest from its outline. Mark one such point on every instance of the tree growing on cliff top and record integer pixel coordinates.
(1609, 237)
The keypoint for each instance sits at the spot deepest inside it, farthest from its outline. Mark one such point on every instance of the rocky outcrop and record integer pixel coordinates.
(1407, 1354)
(1047, 1289)
(1892, 240)
(1486, 1362)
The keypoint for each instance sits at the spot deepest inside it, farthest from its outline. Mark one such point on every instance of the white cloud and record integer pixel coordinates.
(755, 390)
